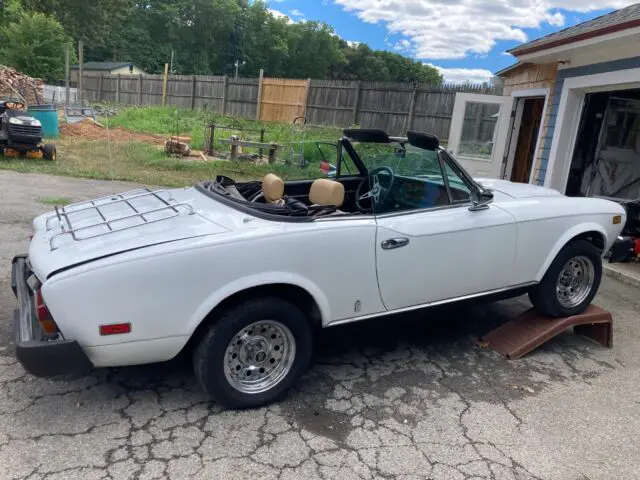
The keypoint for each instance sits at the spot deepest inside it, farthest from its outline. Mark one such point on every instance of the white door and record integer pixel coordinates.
(430, 256)
(430, 246)
(479, 131)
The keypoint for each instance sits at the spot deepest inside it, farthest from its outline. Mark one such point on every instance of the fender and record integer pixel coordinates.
(566, 238)
(258, 280)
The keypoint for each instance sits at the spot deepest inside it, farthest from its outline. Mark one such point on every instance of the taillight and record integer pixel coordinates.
(44, 316)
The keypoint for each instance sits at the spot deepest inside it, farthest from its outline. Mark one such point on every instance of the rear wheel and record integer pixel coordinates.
(49, 152)
(571, 282)
(254, 353)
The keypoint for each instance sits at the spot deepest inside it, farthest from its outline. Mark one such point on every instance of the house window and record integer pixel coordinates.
(623, 125)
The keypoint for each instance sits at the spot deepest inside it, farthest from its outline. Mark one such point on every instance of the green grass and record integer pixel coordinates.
(143, 163)
(148, 164)
(55, 201)
(169, 120)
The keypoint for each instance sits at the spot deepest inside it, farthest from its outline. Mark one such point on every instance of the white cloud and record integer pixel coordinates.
(461, 75)
(279, 14)
(440, 29)
(296, 13)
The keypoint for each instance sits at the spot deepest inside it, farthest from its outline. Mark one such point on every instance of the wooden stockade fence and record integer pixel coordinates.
(393, 107)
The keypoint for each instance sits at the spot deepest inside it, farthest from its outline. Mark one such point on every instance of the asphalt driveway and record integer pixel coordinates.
(402, 398)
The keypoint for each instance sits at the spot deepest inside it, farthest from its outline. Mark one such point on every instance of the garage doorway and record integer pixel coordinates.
(525, 134)
(527, 138)
(606, 157)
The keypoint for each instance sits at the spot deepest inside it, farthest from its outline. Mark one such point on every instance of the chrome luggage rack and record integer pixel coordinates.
(164, 211)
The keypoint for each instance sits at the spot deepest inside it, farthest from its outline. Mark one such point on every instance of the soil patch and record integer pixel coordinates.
(88, 130)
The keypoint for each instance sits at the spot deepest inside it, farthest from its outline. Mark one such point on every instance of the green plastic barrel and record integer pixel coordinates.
(48, 116)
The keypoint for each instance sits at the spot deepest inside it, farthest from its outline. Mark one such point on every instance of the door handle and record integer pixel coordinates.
(394, 243)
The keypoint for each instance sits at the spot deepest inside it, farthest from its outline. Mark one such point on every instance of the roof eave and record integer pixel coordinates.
(524, 50)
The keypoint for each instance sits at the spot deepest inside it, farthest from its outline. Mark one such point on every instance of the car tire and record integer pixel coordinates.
(254, 353)
(571, 282)
(49, 152)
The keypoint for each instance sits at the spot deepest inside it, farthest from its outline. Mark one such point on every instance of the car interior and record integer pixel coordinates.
(397, 179)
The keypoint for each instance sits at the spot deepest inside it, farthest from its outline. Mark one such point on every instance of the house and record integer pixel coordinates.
(105, 68)
(569, 115)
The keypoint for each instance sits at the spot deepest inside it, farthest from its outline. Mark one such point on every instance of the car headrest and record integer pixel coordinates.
(327, 192)
(272, 188)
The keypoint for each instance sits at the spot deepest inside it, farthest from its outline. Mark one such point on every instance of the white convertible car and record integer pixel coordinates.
(242, 274)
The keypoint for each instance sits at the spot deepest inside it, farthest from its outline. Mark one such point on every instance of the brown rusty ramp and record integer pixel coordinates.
(527, 332)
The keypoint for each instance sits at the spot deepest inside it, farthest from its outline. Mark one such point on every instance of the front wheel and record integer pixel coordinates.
(254, 354)
(49, 152)
(571, 282)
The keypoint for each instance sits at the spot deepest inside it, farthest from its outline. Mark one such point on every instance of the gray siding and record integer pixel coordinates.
(596, 68)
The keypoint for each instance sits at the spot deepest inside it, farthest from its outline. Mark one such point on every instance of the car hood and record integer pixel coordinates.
(121, 223)
(517, 190)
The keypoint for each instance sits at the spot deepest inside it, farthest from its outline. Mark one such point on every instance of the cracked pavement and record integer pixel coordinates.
(406, 397)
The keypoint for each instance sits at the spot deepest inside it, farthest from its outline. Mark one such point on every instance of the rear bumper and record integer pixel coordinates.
(40, 356)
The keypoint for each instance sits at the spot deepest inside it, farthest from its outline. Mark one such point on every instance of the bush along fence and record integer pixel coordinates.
(393, 107)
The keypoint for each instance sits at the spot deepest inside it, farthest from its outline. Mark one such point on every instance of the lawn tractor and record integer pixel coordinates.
(21, 134)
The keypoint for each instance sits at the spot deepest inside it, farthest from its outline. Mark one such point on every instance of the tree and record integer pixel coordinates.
(207, 37)
(35, 45)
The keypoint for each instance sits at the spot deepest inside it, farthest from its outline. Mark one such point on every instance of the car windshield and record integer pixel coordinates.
(408, 161)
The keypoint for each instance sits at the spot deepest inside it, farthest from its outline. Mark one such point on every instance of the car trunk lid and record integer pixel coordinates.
(99, 228)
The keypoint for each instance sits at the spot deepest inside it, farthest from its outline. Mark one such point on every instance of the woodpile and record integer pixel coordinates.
(18, 86)
(177, 145)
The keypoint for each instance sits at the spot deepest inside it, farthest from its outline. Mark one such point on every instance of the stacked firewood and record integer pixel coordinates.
(18, 86)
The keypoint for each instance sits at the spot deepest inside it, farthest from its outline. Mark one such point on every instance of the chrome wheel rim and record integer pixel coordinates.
(575, 281)
(259, 356)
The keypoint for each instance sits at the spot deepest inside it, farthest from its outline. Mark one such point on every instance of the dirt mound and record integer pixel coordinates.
(89, 130)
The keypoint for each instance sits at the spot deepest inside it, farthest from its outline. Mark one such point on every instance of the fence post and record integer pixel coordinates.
(306, 97)
(100, 78)
(412, 106)
(194, 79)
(225, 86)
(164, 84)
(118, 90)
(356, 106)
(259, 105)
(140, 89)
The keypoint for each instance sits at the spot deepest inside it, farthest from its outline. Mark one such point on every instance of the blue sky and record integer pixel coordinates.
(465, 38)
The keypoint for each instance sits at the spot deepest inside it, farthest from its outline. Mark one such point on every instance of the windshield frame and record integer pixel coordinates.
(443, 156)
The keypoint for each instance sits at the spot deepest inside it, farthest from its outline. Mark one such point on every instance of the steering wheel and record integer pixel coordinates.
(379, 191)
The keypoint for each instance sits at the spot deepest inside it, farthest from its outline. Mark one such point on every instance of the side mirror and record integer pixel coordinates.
(479, 200)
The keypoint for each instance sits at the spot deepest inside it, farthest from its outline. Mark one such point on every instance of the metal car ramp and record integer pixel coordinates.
(530, 330)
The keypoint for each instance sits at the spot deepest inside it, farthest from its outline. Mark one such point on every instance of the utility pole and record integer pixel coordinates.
(80, 72)
(171, 65)
(67, 55)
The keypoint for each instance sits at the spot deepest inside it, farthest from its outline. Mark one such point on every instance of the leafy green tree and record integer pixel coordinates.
(34, 44)
(208, 36)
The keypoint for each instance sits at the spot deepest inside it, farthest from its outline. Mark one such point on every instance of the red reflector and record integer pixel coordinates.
(115, 329)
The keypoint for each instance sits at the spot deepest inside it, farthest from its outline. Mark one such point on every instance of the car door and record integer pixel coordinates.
(443, 252)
